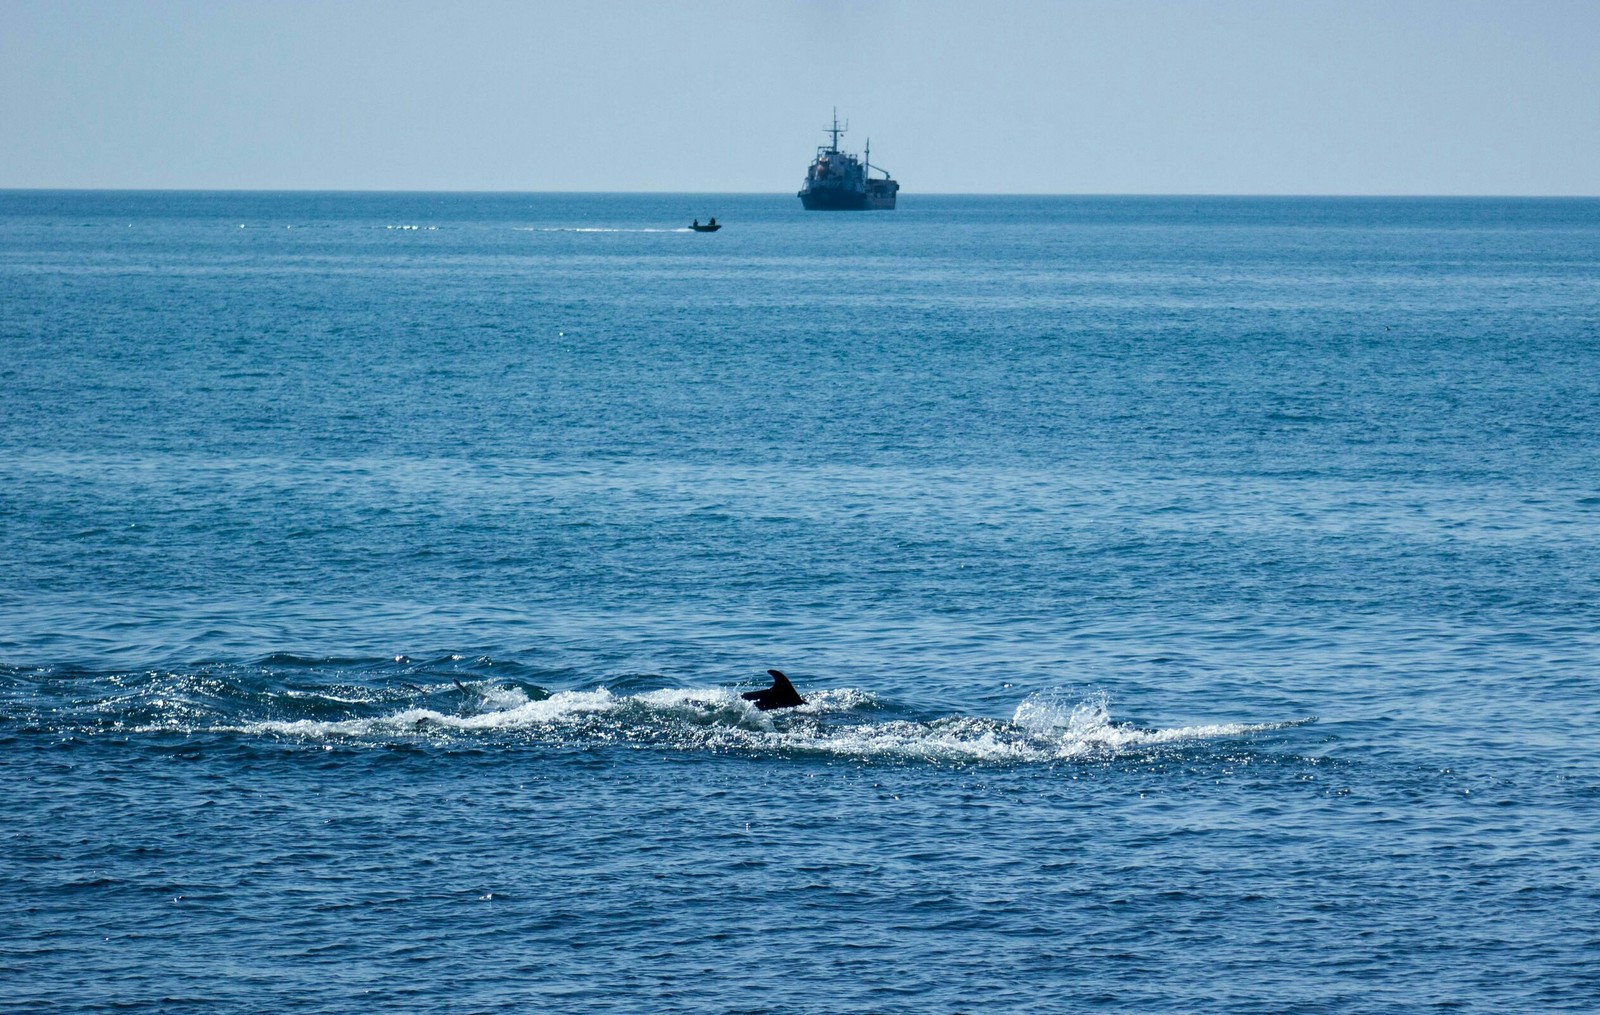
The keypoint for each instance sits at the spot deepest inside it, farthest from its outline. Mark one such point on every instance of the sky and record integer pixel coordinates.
(1005, 96)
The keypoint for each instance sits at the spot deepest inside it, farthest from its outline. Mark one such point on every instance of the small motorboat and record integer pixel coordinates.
(709, 227)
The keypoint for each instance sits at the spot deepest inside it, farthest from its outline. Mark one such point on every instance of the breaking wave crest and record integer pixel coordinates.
(450, 702)
(449, 713)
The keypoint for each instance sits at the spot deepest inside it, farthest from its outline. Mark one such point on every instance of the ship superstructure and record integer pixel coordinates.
(838, 181)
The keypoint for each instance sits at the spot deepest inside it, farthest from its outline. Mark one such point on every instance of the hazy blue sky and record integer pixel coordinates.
(1133, 96)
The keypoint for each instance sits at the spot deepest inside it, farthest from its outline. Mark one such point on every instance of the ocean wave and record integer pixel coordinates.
(420, 705)
(844, 723)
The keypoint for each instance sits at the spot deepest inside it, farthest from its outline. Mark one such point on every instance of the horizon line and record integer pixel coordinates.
(786, 194)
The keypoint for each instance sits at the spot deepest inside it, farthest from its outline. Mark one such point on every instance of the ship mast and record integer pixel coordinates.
(836, 131)
(867, 161)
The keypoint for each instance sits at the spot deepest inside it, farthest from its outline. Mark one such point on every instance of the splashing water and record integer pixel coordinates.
(1055, 715)
(255, 703)
(1052, 725)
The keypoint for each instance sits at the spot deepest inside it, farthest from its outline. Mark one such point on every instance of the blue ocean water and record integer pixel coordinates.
(1196, 601)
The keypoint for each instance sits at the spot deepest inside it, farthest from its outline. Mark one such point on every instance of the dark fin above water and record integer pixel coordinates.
(780, 695)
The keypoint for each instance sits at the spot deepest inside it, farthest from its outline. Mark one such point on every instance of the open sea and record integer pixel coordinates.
(1197, 602)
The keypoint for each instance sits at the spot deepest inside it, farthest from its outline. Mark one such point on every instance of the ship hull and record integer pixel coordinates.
(845, 200)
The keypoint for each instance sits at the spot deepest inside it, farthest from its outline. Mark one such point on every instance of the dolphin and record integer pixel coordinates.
(780, 695)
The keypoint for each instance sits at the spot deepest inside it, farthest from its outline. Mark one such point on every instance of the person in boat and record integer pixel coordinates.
(696, 223)
(712, 222)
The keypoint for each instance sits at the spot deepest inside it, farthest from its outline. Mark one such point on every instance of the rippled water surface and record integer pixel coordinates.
(1195, 601)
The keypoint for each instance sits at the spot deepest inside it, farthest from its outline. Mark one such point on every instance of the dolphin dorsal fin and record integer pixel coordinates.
(780, 695)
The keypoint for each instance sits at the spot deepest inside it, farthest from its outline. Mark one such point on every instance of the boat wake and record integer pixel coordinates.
(595, 229)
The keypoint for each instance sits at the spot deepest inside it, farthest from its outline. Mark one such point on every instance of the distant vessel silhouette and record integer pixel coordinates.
(838, 181)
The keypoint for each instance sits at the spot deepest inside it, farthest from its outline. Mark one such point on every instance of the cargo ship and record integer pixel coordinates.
(838, 181)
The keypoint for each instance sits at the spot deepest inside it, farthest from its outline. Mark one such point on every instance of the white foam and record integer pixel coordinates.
(325, 696)
(1083, 725)
(946, 740)
(1045, 727)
